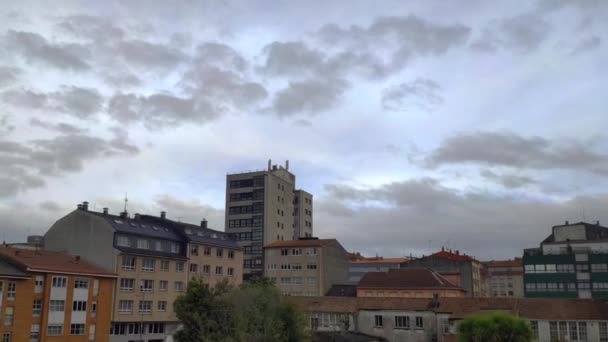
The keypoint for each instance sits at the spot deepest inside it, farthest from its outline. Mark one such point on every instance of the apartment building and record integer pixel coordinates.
(572, 262)
(154, 258)
(460, 269)
(306, 267)
(407, 283)
(359, 265)
(423, 320)
(504, 278)
(264, 206)
(50, 296)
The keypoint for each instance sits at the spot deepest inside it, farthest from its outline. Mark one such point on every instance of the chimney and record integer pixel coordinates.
(79, 206)
(124, 214)
(597, 223)
(77, 258)
(457, 252)
(567, 223)
(163, 215)
(442, 249)
(85, 206)
(105, 211)
(136, 216)
(287, 165)
(269, 164)
(204, 223)
(17, 253)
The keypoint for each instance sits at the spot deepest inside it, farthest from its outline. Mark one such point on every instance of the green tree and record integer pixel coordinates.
(494, 327)
(253, 312)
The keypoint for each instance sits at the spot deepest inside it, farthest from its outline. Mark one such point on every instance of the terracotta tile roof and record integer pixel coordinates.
(531, 308)
(300, 243)
(406, 278)
(379, 261)
(46, 261)
(517, 262)
(453, 256)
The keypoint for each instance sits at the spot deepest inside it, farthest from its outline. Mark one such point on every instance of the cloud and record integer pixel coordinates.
(5, 125)
(421, 93)
(510, 181)
(512, 150)
(25, 164)
(61, 127)
(588, 44)
(310, 97)
(219, 55)
(190, 211)
(96, 29)
(75, 101)
(35, 48)
(50, 206)
(522, 33)
(9, 75)
(399, 218)
(147, 54)
(121, 80)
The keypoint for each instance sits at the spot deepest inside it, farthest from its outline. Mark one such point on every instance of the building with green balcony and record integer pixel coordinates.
(572, 262)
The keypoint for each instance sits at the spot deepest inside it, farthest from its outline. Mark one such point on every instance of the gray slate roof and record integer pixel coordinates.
(8, 270)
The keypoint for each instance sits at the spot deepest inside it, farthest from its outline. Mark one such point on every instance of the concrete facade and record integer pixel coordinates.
(262, 207)
(504, 278)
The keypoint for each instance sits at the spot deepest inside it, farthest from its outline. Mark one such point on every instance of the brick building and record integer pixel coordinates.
(407, 283)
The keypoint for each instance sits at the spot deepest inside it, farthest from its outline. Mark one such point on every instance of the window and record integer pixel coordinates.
(128, 262)
(122, 241)
(529, 268)
(148, 265)
(582, 268)
(164, 265)
(603, 326)
(94, 309)
(55, 330)
(401, 322)
(79, 305)
(145, 306)
(296, 251)
(582, 331)
(56, 305)
(163, 285)
(143, 244)
(312, 281)
(11, 290)
(6, 337)
(126, 284)
(35, 333)
(156, 328)
(573, 331)
(563, 330)
(230, 271)
(37, 307)
(311, 251)
(146, 285)
(8, 316)
(206, 269)
(76, 329)
(179, 266)
(81, 283)
(378, 321)
(419, 322)
(445, 326)
(539, 268)
(162, 305)
(599, 267)
(175, 247)
(534, 326)
(296, 266)
(125, 306)
(207, 251)
(179, 286)
(193, 268)
(39, 284)
(218, 270)
(284, 251)
(219, 252)
(158, 245)
(311, 266)
(230, 254)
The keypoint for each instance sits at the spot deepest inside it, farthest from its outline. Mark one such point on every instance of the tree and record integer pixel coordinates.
(253, 312)
(494, 327)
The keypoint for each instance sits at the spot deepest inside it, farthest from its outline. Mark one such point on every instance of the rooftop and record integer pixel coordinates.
(453, 256)
(379, 260)
(306, 242)
(406, 278)
(531, 308)
(46, 261)
(516, 262)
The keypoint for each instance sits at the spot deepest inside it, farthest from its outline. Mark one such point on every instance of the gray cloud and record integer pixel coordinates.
(95, 29)
(311, 97)
(523, 33)
(399, 218)
(50, 206)
(5, 125)
(510, 181)
(121, 80)
(61, 127)
(190, 211)
(8, 75)
(220, 55)
(76, 101)
(421, 93)
(588, 44)
(25, 98)
(509, 149)
(24, 165)
(35, 48)
(147, 54)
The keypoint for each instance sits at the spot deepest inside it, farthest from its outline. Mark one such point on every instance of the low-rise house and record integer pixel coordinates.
(50, 296)
(407, 283)
(417, 319)
(306, 267)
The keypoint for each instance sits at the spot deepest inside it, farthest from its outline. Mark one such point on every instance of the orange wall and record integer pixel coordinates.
(409, 293)
(22, 309)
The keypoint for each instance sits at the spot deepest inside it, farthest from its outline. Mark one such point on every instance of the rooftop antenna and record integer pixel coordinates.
(126, 201)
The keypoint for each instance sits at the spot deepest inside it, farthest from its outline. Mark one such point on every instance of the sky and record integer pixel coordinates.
(474, 125)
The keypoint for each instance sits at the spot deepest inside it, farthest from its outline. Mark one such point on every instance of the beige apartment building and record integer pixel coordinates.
(264, 206)
(154, 258)
(504, 278)
(306, 267)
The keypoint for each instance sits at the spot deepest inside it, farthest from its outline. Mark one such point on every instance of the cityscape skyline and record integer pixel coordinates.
(413, 130)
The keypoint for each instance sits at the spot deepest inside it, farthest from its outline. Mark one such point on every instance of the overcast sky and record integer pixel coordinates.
(475, 125)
